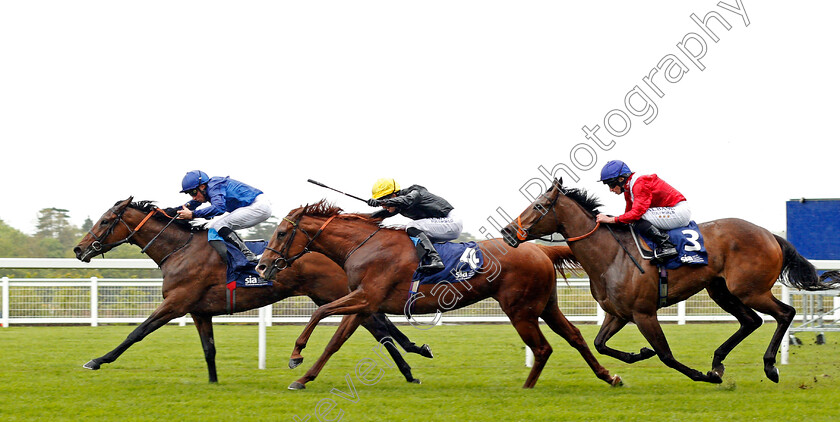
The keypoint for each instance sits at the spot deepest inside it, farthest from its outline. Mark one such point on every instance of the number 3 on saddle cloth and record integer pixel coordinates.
(691, 250)
(240, 272)
(461, 262)
(690, 246)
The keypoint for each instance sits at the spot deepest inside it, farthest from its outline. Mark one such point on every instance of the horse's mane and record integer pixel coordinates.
(588, 201)
(323, 208)
(149, 206)
(591, 203)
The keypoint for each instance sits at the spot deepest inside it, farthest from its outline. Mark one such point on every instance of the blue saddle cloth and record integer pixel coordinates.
(461, 260)
(691, 249)
(238, 267)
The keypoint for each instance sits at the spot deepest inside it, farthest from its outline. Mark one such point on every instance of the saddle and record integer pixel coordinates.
(461, 262)
(688, 240)
(690, 251)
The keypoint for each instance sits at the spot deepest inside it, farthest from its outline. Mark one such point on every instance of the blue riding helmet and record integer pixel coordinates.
(614, 169)
(193, 179)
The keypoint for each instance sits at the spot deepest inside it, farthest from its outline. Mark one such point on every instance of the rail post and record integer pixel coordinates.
(5, 314)
(786, 339)
(94, 302)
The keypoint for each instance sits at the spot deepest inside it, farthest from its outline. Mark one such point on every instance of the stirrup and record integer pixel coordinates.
(432, 267)
(664, 252)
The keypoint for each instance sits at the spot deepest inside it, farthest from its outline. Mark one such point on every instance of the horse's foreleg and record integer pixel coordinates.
(164, 313)
(377, 327)
(612, 325)
(649, 327)
(749, 320)
(204, 325)
(560, 325)
(354, 302)
(402, 339)
(348, 325)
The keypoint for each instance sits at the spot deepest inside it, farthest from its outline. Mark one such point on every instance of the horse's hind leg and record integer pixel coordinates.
(529, 331)
(612, 325)
(649, 327)
(164, 313)
(749, 320)
(345, 329)
(560, 325)
(378, 328)
(204, 325)
(401, 339)
(783, 314)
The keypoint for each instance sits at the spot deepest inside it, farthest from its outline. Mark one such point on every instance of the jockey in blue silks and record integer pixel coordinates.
(243, 206)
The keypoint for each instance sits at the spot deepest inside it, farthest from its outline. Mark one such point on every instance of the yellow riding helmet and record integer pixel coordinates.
(384, 187)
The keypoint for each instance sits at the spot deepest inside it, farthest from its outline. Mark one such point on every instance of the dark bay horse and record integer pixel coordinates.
(194, 280)
(379, 266)
(744, 262)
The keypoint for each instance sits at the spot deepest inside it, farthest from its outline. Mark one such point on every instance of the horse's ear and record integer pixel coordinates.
(558, 182)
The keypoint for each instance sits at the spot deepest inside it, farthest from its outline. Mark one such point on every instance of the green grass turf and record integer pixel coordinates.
(476, 375)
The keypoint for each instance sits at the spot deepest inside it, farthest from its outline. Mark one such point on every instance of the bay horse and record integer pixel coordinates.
(194, 280)
(380, 262)
(744, 263)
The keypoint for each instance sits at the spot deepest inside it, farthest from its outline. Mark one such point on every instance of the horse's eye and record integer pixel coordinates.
(540, 208)
(104, 223)
(280, 235)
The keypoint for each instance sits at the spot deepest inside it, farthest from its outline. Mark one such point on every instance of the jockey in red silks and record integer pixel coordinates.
(652, 205)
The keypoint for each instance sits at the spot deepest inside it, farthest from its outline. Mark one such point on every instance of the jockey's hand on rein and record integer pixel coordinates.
(373, 202)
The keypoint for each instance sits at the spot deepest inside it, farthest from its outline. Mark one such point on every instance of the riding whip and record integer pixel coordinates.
(325, 186)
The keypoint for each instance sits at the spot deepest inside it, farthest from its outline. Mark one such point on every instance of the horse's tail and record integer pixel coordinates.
(800, 273)
(562, 258)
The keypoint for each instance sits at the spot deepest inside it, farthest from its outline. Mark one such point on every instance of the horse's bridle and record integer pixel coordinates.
(551, 206)
(97, 244)
(287, 262)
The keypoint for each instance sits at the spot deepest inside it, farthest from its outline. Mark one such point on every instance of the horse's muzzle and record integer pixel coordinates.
(85, 254)
(510, 237)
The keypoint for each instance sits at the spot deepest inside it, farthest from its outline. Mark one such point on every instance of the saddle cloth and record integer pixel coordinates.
(461, 262)
(239, 269)
(691, 249)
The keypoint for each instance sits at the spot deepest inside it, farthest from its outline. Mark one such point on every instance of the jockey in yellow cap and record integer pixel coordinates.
(433, 218)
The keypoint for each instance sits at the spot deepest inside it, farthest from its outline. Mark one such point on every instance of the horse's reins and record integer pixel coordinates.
(98, 246)
(282, 255)
(575, 238)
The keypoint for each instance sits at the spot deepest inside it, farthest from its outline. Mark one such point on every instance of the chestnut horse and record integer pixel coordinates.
(194, 280)
(744, 262)
(380, 262)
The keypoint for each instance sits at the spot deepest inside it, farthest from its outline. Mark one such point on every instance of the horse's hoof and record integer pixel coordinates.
(718, 370)
(92, 365)
(426, 351)
(296, 386)
(415, 381)
(646, 353)
(616, 381)
(294, 363)
(772, 374)
(714, 377)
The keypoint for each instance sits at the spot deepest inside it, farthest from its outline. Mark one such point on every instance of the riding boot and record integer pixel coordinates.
(426, 249)
(234, 239)
(664, 248)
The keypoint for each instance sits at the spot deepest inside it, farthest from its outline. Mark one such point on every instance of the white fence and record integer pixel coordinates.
(97, 301)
